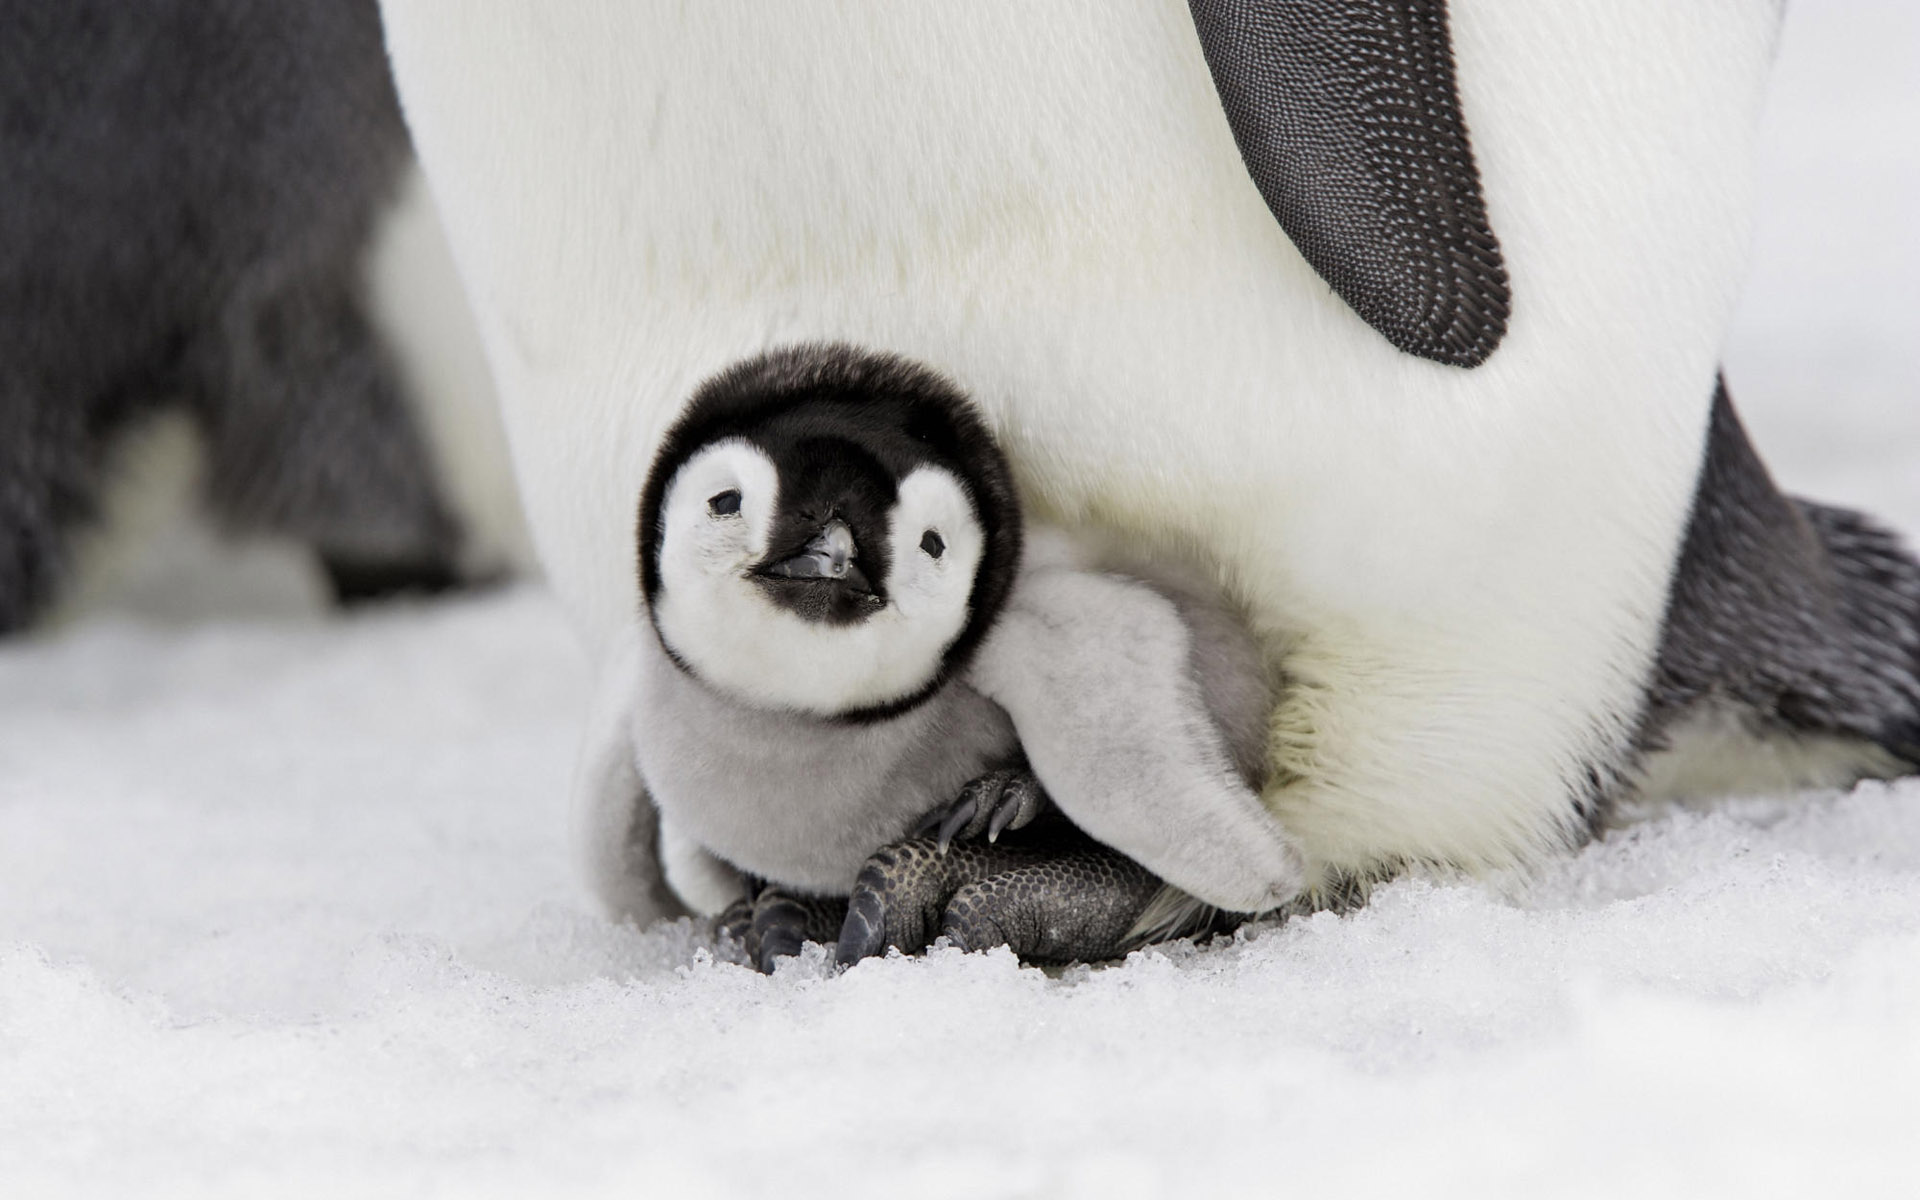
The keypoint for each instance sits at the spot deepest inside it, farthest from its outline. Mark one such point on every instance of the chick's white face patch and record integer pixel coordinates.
(715, 521)
(937, 545)
(718, 620)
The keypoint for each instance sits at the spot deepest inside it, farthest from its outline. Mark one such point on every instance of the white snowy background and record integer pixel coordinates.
(287, 904)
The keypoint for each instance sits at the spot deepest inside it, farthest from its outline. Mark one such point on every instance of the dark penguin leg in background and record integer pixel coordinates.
(49, 460)
(63, 403)
(1800, 618)
(308, 433)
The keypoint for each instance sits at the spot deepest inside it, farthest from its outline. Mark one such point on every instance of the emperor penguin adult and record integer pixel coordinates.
(1404, 316)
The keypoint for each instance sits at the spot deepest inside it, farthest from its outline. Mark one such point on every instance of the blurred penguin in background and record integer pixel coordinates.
(192, 197)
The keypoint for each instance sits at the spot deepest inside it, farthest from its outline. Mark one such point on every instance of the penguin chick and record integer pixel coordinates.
(843, 636)
(824, 540)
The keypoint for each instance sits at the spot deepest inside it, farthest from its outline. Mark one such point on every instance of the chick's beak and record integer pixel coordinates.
(829, 555)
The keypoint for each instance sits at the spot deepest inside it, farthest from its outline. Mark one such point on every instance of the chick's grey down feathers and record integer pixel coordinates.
(797, 799)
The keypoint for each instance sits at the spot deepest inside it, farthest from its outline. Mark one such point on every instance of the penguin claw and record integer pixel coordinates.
(961, 818)
(1010, 798)
(864, 933)
(773, 924)
(1022, 800)
(733, 922)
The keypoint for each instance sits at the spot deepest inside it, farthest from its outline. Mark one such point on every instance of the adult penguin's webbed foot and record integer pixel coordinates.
(731, 923)
(772, 923)
(994, 803)
(902, 892)
(1077, 906)
(1055, 897)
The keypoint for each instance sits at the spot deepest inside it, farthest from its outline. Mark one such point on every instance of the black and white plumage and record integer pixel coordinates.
(1403, 318)
(843, 635)
(828, 532)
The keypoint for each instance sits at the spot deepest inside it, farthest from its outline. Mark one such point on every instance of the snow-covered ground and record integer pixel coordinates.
(287, 906)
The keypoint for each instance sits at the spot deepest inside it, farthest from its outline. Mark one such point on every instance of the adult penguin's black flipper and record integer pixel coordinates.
(1349, 121)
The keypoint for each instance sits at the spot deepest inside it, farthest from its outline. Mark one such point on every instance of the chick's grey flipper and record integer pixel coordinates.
(1800, 618)
(1349, 121)
(617, 823)
(1094, 670)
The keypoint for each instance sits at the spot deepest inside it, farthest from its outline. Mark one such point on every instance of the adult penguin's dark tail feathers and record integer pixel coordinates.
(1795, 619)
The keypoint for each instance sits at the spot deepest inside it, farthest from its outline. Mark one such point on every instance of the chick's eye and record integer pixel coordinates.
(933, 544)
(725, 504)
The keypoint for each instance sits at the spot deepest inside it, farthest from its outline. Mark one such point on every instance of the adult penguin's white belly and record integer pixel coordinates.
(1461, 572)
